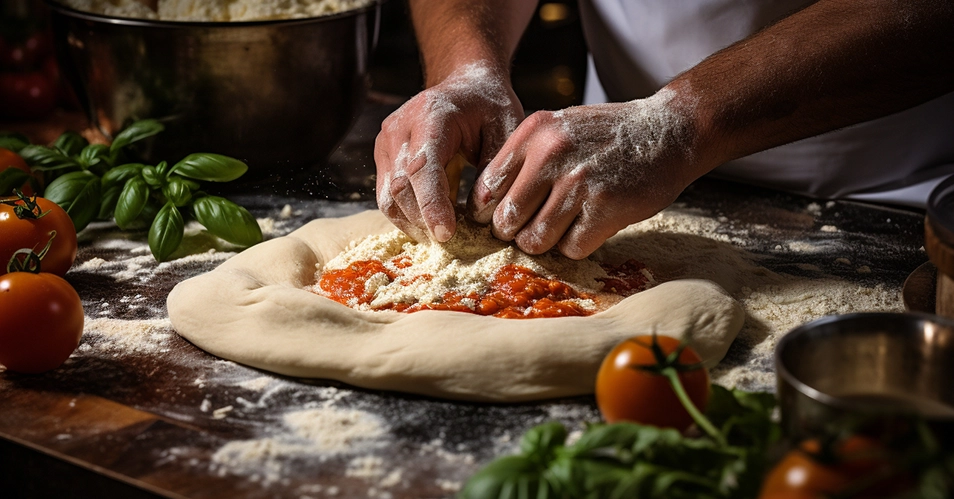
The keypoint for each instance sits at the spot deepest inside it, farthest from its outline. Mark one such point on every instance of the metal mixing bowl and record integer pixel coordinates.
(276, 94)
(870, 367)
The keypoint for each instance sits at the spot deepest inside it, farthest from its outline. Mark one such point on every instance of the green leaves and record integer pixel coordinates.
(70, 143)
(47, 159)
(79, 194)
(136, 132)
(88, 184)
(625, 460)
(131, 202)
(165, 233)
(210, 167)
(227, 220)
(12, 178)
(13, 141)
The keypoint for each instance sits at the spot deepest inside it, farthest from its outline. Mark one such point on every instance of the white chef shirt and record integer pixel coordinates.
(637, 46)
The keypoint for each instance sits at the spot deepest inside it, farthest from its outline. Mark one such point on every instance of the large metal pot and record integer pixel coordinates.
(277, 94)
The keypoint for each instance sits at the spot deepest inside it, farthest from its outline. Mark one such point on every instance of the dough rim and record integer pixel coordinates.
(252, 310)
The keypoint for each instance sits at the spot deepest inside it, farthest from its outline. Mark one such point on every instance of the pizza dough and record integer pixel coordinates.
(253, 309)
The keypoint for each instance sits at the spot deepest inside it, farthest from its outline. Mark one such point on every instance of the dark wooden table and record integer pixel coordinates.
(140, 412)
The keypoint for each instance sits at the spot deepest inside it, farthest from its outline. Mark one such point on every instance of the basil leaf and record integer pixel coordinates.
(93, 154)
(227, 220)
(516, 477)
(163, 169)
(542, 440)
(12, 178)
(70, 143)
(47, 159)
(132, 200)
(165, 233)
(151, 176)
(177, 191)
(78, 193)
(135, 132)
(107, 204)
(210, 167)
(13, 141)
(119, 175)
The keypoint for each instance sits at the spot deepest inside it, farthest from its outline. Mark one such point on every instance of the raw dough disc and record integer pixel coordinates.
(253, 309)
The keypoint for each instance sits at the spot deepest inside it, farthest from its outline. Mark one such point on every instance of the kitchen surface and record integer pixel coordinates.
(139, 412)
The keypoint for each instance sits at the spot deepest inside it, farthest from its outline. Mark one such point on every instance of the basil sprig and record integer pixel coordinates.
(94, 181)
(623, 460)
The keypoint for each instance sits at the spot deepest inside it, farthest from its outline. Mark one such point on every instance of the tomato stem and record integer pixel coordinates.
(701, 420)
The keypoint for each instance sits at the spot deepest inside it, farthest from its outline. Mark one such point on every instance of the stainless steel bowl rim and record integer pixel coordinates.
(939, 205)
(156, 23)
(837, 402)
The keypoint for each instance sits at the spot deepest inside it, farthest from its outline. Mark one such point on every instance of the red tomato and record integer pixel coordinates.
(27, 95)
(626, 393)
(802, 472)
(35, 233)
(10, 159)
(41, 321)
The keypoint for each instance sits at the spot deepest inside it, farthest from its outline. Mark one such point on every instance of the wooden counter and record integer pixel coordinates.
(140, 412)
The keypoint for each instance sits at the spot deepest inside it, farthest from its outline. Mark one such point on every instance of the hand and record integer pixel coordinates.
(472, 111)
(575, 177)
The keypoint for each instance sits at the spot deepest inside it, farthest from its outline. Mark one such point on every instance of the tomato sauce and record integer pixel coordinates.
(515, 292)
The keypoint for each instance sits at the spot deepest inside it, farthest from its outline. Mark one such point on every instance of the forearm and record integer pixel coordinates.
(833, 64)
(452, 33)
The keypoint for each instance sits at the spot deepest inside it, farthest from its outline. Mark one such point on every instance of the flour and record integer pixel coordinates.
(217, 10)
(464, 265)
(115, 338)
(326, 432)
(682, 242)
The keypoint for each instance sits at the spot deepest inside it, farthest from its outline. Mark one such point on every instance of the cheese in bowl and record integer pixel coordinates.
(216, 10)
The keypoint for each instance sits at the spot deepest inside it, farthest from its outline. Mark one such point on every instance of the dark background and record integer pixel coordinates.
(549, 67)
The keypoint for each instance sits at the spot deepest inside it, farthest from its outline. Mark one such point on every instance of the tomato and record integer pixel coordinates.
(626, 393)
(28, 95)
(803, 472)
(41, 321)
(10, 159)
(35, 233)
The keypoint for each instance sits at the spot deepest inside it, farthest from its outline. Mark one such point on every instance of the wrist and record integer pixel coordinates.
(439, 70)
(701, 136)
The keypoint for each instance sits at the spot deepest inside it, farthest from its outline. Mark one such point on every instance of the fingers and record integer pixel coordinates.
(556, 216)
(588, 232)
(492, 184)
(412, 188)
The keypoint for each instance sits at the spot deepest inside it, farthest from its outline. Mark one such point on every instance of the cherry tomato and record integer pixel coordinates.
(10, 159)
(626, 393)
(35, 233)
(28, 95)
(41, 321)
(803, 472)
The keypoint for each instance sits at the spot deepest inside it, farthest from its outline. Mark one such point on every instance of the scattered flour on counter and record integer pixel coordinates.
(257, 384)
(687, 243)
(126, 337)
(322, 432)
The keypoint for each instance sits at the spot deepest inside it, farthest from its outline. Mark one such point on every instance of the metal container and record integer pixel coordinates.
(277, 94)
(870, 368)
(939, 243)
